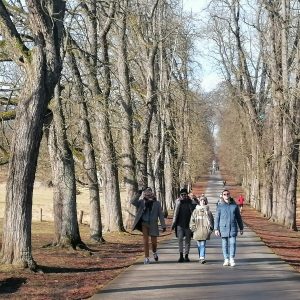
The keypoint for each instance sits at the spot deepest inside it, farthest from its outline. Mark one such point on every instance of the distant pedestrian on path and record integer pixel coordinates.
(240, 202)
(224, 183)
(202, 225)
(227, 221)
(146, 220)
(184, 207)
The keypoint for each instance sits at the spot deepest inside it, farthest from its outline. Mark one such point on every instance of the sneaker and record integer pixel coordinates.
(232, 262)
(146, 261)
(226, 262)
(155, 256)
(202, 261)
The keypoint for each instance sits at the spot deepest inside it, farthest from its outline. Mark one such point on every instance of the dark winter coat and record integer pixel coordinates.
(192, 206)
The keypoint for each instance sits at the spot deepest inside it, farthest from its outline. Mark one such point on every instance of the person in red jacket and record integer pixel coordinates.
(240, 202)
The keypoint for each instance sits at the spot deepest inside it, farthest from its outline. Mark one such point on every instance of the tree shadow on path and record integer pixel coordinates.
(11, 285)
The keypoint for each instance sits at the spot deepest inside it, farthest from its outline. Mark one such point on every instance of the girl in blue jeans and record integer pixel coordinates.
(202, 224)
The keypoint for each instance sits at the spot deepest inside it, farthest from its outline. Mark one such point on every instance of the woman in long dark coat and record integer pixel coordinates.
(146, 220)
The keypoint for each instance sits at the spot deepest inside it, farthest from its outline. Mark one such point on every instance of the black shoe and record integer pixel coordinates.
(202, 261)
(181, 259)
(186, 258)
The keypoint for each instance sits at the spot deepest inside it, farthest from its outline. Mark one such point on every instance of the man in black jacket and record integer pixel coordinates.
(184, 207)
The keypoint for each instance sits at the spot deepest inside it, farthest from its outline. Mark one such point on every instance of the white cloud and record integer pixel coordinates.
(194, 5)
(210, 81)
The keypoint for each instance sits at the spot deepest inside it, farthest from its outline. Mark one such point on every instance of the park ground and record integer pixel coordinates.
(70, 274)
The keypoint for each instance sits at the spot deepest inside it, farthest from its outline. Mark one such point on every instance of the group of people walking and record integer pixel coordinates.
(192, 219)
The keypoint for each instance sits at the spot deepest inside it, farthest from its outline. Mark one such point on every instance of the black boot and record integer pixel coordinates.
(181, 257)
(186, 258)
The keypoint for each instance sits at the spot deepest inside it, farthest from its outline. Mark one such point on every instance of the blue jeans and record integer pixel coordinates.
(201, 248)
(229, 247)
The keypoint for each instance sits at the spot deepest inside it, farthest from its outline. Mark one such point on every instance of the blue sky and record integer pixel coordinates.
(209, 78)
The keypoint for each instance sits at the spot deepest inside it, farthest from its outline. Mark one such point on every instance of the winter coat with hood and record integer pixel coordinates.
(202, 223)
(155, 214)
(228, 219)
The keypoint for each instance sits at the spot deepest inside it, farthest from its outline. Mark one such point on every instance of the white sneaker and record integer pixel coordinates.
(202, 260)
(146, 261)
(226, 262)
(232, 262)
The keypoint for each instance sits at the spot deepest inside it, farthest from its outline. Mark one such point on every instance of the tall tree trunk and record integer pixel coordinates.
(16, 247)
(128, 153)
(113, 216)
(43, 69)
(151, 100)
(286, 214)
(158, 160)
(171, 151)
(183, 131)
(89, 163)
(290, 150)
(286, 109)
(111, 193)
(64, 186)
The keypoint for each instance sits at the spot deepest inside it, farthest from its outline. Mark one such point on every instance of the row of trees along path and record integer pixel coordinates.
(107, 87)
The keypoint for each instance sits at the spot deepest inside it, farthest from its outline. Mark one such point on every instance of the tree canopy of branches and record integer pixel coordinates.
(258, 53)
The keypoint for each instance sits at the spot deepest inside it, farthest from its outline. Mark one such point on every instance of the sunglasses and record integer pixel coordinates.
(227, 194)
(183, 194)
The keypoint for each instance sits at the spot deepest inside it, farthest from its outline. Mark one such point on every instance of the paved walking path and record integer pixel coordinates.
(259, 274)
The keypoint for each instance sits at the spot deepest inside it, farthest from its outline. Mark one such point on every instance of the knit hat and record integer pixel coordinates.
(204, 199)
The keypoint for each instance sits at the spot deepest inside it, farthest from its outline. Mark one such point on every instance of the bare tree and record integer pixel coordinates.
(263, 83)
(284, 40)
(89, 163)
(66, 228)
(126, 100)
(42, 64)
(101, 94)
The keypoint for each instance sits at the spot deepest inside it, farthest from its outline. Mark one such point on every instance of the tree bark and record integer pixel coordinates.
(89, 163)
(113, 220)
(66, 230)
(151, 100)
(128, 152)
(286, 147)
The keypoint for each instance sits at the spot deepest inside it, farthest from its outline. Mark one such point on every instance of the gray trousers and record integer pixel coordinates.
(181, 233)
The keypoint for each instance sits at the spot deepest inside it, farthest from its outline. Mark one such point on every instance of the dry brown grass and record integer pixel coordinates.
(43, 199)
